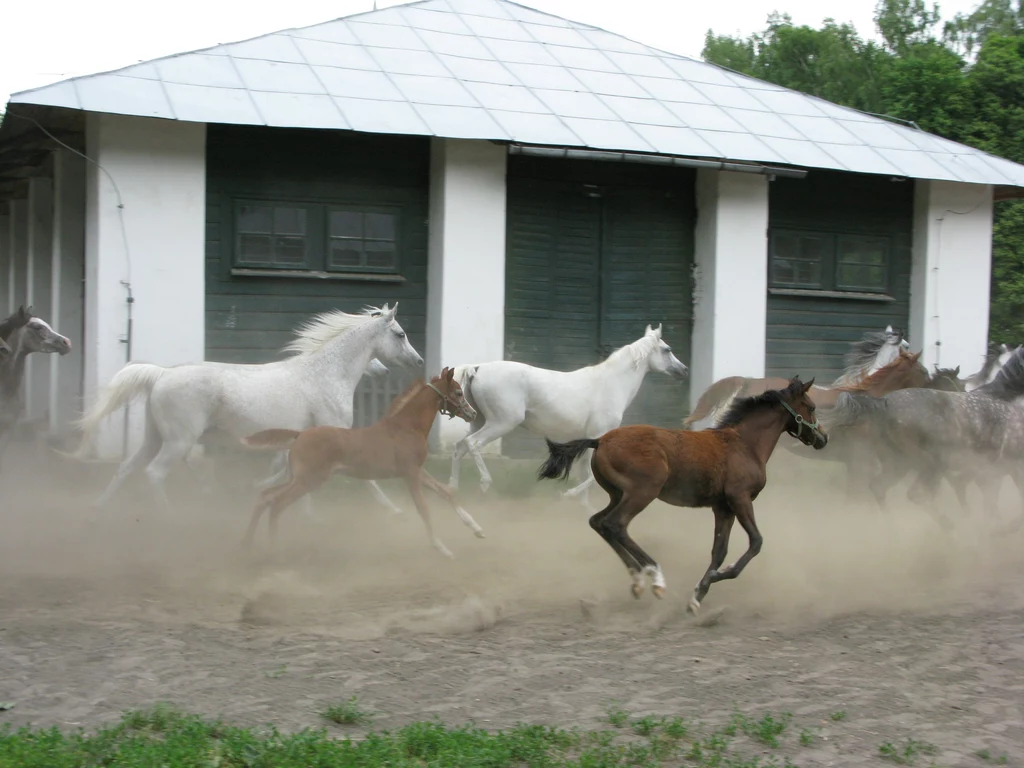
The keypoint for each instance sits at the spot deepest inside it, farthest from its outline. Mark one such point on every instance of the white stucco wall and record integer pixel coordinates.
(67, 258)
(159, 167)
(19, 252)
(466, 264)
(730, 278)
(5, 261)
(38, 280)
(951, 273)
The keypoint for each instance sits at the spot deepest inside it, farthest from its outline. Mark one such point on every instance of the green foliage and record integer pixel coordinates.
(922, 75)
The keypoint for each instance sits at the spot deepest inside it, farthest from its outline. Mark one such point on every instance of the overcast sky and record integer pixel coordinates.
(47, 42)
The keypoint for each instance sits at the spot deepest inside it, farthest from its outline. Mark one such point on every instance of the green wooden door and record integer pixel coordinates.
(595, 252)
(838, 265)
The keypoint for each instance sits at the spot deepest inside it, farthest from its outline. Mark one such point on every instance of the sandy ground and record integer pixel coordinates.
(911, 631)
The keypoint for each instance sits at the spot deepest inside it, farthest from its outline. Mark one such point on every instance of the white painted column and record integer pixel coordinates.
(18, 291)
(5, 261)
(39, 292)
(159, 167)
(466, 264)
(951, 273)
(67, 287)
(730, 279)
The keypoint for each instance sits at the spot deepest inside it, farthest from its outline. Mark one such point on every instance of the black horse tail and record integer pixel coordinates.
(561, 456)
(851, 408)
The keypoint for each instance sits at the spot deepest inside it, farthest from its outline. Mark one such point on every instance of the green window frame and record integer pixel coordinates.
(805, 260)
(290, 236)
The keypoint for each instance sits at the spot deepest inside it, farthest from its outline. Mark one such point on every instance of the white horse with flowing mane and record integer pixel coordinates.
(314, 387)
(560, 406)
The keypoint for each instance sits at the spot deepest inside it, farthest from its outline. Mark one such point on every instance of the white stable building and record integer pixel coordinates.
(526, 187)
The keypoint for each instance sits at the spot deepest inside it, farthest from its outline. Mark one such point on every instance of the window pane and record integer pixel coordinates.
(862, 263)
(290, 251)
(255, 249)
(289, 221)
(253, 218)
(346, 224)
(380, 226)
(379, 254)
(797, 260)
(346, 253)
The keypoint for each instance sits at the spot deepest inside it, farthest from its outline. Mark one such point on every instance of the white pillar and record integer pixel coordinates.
(466, 264)
(5, 262)
(159, 168)
(951, 273)
(39, 293)
(68, 264)
(730, 279)
(18, 291)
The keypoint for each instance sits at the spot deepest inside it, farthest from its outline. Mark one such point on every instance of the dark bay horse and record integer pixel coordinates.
(394, 446)
(722, 468)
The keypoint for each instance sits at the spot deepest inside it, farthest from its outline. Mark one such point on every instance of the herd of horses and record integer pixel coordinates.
(884, 417)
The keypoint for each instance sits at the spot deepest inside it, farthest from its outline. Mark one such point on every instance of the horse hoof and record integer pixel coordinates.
(637, 590)
(479, 533)
(693, 606)
(658, 592)
(484, 487)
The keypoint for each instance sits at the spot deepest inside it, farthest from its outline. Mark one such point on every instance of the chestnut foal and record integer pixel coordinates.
(394, 446)
(722, 468)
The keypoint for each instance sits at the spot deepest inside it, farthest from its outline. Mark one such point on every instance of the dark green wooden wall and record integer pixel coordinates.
(595, 252)
(810, 335)
(249, 319)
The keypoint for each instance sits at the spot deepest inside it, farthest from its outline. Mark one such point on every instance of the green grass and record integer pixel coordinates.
(837, 716)
(165, 736)
(347, 713)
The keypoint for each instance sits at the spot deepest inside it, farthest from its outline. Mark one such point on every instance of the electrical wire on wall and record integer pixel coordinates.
(935, 275)
(127, 282)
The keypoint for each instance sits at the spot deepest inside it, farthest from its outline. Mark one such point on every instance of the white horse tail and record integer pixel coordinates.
(271, 439)
(133, 380)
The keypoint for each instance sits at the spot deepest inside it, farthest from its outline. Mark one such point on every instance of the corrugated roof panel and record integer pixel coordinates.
(382, 116)
(459, 122)
(491, 69)
(278, 76)
(268, 47)
(514, 98)
(434, 90)
(358, 83)
(321, 53)
(395, 61)
(220, 105)
(603, 134)
(110, 94)
(200, 69)
(289, 110)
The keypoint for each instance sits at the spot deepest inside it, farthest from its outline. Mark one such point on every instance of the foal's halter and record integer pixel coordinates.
(801, 422)
(448, 408)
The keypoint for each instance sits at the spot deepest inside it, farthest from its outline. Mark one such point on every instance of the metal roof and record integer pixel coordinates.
(493, 69)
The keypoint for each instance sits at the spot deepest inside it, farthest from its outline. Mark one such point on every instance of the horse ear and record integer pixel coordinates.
(451, 374)
(956, 371)
(917, 356)
(648, 329)
(888, 329)
(808, 385)
(657, 331)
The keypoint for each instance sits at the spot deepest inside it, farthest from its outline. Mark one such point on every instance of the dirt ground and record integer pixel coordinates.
(914, 633)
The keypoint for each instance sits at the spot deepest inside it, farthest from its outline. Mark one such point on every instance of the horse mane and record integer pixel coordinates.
(316, 333)
(638, 350)
(861, 355)
(404, 397)
(904, 359)
(16, 320)
(1009, 382)
(741, 408)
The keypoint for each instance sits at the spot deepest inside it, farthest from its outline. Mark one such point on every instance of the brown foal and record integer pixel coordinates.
(394, 446)
(722, 468)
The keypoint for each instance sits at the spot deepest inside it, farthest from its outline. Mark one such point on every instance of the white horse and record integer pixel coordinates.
(315, 387)
(994, 362)
(557, 405)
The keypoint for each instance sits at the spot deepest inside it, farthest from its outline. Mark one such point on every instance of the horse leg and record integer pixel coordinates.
(446, 493)
(198, 469)
(159, 468)
(151, 443)
(615, 523)
(460, 450)
(412, 481)
(744, 511)
(724, 518)
(923, 492)
(383, 499)
(295, 490)
(488, 433)
(598, 521)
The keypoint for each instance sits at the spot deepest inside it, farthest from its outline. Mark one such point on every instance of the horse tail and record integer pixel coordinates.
(275, 439)
(132, 381)
(561, 456)
(713, 399)
(851, 408)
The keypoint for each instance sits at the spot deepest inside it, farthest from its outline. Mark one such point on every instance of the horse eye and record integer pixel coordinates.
(401, 334)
